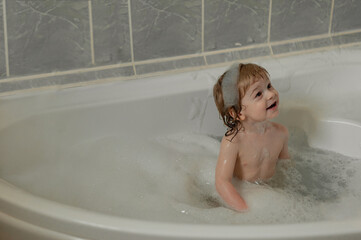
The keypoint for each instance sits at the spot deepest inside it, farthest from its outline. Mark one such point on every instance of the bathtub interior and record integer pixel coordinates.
(38, 128)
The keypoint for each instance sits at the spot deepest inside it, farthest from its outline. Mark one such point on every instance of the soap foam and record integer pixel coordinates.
(171, 178)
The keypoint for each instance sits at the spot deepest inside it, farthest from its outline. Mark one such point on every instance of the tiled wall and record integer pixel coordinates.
(57, 42)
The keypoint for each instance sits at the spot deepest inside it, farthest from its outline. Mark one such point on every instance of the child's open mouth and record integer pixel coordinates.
(272, 106)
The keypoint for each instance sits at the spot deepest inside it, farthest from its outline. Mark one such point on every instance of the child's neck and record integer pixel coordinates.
(255, 127)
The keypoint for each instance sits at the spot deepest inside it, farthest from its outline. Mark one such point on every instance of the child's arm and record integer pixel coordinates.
(284, 152)
(224, 174)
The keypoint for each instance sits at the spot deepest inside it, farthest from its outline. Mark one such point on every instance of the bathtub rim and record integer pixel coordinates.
(54, 216)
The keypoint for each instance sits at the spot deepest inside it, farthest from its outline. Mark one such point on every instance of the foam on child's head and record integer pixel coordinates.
(229, 86)
(231, 79)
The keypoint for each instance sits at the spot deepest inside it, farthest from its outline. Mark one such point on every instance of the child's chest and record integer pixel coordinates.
(257, 151)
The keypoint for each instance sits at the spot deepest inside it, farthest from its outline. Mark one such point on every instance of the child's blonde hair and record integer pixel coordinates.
(247, 75)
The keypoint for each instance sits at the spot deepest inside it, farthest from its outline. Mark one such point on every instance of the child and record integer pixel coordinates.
(252, 145)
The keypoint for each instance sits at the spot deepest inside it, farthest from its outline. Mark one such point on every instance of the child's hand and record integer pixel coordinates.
(238, 204)
(242, 209)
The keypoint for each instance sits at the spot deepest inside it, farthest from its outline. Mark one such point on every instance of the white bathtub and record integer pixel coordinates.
(320, 92)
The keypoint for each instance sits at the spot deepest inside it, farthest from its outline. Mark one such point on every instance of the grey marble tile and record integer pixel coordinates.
(299, 18)
(111, 31)
(346, 15)
(166, 28)
(66, 79)
(47, 35)
(2, 48)
(169, 65)
(238, 55)
(347, 38)
(230, 24)
(90, 76)
(300, 46)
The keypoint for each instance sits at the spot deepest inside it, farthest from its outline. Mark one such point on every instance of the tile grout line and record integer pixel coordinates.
(269, 28)
(91, 31)
(202, 26)
(205, 60)
(6, 44)
(204, 57)
(346, 32)
(131, 37)
(302, 39)
(331, 17)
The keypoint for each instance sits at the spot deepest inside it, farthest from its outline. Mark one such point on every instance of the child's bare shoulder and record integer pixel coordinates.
(231, 141)
(280, 128)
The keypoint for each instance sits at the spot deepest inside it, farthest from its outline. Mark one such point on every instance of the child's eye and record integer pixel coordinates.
(259, 94)
(269, 86)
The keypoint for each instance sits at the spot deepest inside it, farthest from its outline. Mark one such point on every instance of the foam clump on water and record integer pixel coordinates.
(171, 178)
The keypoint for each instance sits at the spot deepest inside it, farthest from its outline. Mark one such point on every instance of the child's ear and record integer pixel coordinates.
(241, 115)
(235, 115)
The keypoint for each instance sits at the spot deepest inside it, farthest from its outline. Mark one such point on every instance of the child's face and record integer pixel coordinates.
(260, 102)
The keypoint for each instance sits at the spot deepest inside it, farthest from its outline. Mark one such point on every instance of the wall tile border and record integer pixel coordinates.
(301, 45)
(190, 62)
(175, 65)
(346, 38)
(238, 55)
(64, 79)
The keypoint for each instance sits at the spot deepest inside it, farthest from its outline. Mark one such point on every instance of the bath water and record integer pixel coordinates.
(171, 178)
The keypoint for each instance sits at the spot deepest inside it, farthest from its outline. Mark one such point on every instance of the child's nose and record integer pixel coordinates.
(270, 94)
